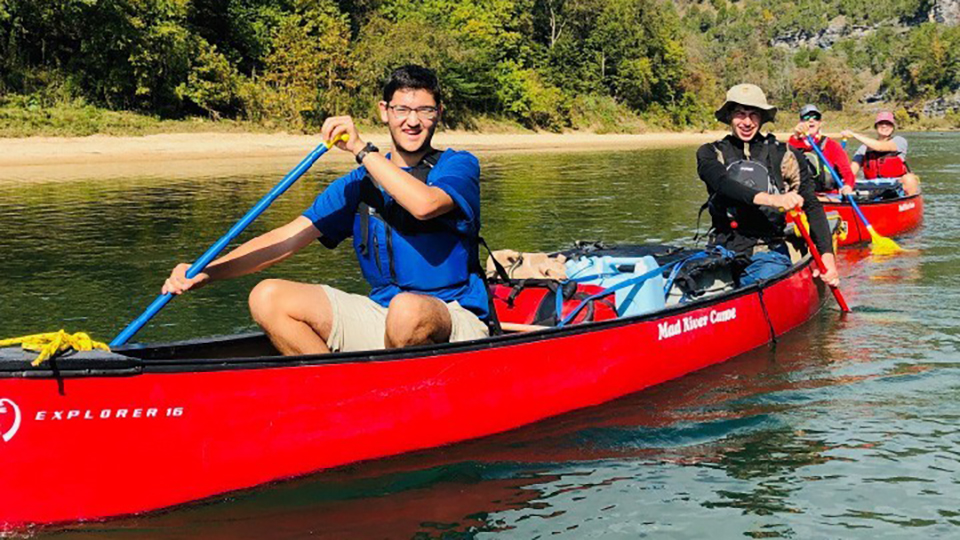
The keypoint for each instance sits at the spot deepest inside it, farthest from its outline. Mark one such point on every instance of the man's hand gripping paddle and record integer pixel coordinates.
(799, 221)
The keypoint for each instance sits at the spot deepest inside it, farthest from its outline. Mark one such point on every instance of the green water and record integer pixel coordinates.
(846, 429)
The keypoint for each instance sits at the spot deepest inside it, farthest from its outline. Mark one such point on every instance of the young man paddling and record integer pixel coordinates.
(811, 123)
(414, 215)
(886, 156)
(752, 180)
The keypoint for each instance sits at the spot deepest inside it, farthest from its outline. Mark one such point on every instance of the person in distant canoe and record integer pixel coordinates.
(752, 179)
(414, 215)
(811, 122)
(886, 156)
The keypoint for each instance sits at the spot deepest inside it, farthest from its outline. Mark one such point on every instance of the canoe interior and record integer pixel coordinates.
(254, 350)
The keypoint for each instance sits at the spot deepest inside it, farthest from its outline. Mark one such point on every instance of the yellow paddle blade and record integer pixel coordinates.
(881, 245)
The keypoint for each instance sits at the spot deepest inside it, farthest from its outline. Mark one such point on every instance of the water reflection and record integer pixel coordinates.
(535, 480)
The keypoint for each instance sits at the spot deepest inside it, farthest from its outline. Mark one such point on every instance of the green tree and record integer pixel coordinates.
(929, 65)
(630, 49)
(532, 101)
(306, 75)
(212, 83)
(465, 42)
(827, 84)
(242, 30)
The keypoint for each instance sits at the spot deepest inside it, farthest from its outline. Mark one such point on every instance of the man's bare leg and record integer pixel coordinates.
(911, 183)
(297, 317)
(416, 319)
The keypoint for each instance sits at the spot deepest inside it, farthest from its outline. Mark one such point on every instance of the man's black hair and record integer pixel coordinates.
(412, 77)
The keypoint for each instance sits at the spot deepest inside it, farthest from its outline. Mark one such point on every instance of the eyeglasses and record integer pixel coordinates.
(424, 113)
(812, 116)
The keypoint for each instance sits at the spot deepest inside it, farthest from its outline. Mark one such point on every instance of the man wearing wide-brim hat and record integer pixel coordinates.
(748, 96)
(752, 180)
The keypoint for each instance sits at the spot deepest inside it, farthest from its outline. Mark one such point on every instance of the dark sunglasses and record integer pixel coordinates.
(811, 116)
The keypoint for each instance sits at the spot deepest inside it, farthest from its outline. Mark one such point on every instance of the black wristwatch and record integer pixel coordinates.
(366, 150)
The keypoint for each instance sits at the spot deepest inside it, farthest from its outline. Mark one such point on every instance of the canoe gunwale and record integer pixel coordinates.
(877, 202)
(130, 364)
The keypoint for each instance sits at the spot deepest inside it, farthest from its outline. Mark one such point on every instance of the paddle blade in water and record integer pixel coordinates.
(881, 245)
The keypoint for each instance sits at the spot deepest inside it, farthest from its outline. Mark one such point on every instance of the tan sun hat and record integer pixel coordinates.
(747, 95)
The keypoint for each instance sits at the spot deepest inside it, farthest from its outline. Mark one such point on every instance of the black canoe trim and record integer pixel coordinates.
(880, 202)
(15, 362)
(139, 358)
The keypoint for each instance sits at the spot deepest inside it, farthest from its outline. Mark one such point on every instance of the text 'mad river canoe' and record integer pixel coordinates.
(97, 434)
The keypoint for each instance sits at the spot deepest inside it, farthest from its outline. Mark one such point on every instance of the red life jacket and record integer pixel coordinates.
(883, 165)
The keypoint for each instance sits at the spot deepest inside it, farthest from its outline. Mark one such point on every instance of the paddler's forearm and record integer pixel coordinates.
(876, 145)
(829, 260)
(264, 251)
(857, 136)
(819, 226)
(421, 200)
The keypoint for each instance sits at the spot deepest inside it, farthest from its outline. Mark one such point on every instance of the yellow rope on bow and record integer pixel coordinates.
(51, 344)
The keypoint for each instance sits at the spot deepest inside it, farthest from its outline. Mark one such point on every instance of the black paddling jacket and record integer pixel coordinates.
(732, 183)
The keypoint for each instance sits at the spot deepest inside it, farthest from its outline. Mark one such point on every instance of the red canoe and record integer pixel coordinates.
(890, 218)
(97, 435)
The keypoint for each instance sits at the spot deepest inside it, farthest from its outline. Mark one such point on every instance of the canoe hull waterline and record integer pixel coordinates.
(890, 218)
(88, 439)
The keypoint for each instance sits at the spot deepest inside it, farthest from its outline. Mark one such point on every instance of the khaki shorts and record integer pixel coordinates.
(359, 323)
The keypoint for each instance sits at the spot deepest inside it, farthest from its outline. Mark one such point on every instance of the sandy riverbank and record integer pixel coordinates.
(51, 158)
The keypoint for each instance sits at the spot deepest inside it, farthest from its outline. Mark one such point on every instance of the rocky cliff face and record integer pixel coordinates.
(824, 39)
(946, 12)
(942, 11)
(937, 108)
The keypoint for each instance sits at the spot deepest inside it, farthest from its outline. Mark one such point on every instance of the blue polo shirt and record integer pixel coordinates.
(334, 214)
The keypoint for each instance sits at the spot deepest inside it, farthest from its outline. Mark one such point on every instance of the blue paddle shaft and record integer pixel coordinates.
(836, 178)
(201, 263)
(823, 159)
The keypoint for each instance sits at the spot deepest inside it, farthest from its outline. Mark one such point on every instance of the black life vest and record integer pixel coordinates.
(761, 171)
(822, 177)
(741, 226)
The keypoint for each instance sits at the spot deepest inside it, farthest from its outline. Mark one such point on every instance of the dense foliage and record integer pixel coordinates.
(547, 64)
